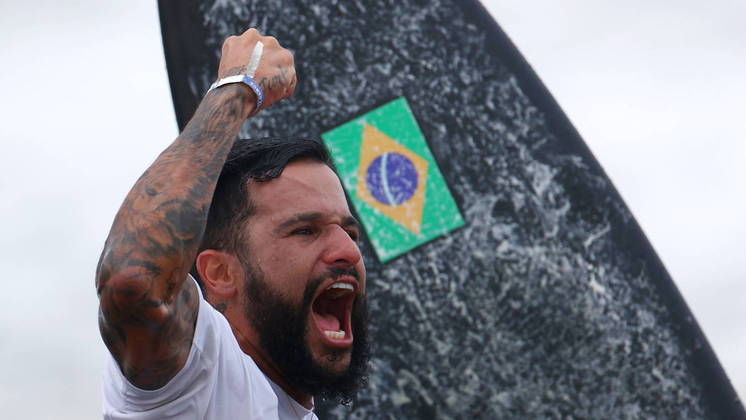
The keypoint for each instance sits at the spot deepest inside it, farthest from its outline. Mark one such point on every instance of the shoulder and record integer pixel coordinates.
(195, 376)
(217, 380)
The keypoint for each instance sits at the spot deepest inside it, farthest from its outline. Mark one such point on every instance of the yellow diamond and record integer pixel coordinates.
(408, 213)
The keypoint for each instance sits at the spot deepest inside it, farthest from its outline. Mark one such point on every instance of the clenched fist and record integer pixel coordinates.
(264, 60)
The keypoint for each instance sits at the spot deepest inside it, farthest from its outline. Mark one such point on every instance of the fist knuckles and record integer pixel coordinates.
(275, 72)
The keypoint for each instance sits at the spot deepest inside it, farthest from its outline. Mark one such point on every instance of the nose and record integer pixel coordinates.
(341, 249)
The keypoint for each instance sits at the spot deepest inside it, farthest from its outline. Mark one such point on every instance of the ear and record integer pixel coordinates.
(220, 272)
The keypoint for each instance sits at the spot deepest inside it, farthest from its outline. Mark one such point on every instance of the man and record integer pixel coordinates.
(265, 228)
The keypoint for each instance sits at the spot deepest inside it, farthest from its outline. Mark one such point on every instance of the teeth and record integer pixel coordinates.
(340, 285)
(335, 334)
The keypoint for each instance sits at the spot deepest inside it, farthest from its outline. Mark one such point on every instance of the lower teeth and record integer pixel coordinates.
(335, 334)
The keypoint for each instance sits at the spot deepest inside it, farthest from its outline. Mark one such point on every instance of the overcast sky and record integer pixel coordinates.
(656, 90)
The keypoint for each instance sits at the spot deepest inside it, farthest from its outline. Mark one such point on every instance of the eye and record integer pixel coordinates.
(354, 235)
(303, 231)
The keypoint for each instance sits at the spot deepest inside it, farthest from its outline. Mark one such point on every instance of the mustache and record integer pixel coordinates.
(337, 272)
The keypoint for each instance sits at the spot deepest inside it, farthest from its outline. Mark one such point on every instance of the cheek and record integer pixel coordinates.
(289, 271)
(363, 274)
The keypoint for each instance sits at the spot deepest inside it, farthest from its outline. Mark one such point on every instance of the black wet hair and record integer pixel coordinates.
(250, 159)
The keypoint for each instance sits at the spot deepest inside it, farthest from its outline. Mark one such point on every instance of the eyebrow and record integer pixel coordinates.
(347, 221)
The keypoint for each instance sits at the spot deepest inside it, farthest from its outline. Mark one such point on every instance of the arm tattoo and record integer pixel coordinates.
(280, 79)
(233, 71)
(147, 311)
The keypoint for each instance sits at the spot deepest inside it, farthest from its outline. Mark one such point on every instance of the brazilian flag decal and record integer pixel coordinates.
(392, 179)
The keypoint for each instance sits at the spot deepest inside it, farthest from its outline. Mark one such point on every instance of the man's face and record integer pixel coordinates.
(305, 289)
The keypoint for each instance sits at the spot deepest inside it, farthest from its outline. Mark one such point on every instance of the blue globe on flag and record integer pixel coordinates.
(391, 179)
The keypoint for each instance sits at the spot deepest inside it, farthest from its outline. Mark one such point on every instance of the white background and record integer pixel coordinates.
(656, 89)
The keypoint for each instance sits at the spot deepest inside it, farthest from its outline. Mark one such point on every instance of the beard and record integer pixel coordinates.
(282, 329)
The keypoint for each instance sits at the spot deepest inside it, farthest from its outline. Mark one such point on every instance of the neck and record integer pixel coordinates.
(268, 367)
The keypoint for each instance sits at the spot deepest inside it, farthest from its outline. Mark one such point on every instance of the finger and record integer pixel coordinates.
(251, 32)
(293, 83)
(227, 42)
(271, 41)
(290, 59)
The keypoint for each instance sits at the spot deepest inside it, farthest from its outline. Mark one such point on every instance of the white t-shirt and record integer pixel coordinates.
(218, 381)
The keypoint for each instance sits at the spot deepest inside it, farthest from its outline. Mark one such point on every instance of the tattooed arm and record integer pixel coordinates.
(147, 311)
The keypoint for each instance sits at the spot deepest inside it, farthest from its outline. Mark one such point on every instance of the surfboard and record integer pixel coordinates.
(507, 278)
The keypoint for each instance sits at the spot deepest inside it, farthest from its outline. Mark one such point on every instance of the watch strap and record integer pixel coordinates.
(245, 79)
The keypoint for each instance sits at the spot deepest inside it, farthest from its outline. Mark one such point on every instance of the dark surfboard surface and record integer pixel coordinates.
(548, 302)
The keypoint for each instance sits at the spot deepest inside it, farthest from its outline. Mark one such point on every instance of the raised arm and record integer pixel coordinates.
(147, 311)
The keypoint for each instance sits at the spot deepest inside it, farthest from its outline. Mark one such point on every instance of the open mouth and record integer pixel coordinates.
(332, 313)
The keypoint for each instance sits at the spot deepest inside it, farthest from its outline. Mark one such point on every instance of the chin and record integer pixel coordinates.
(323, 348)
(335, 363)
